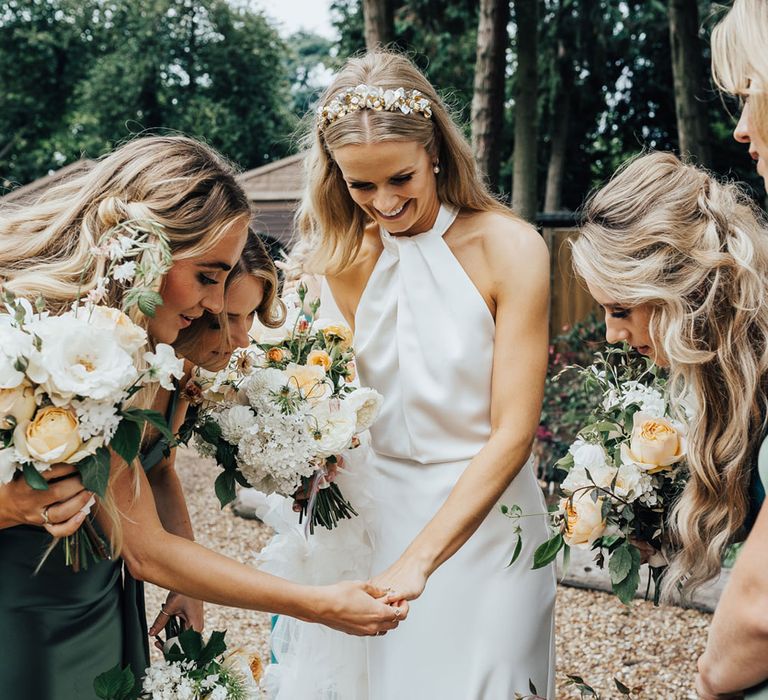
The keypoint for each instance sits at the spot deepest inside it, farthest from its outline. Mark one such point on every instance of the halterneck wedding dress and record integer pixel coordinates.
(481, 630)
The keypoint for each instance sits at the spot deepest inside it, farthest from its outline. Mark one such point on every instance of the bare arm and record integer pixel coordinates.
(736, 655)
(521, 274)
(176, 563)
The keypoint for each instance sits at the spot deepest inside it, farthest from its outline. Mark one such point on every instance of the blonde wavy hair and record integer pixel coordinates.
(256, 262)
(695, 250)
(178, 183)
(328, 217)
(740, 59)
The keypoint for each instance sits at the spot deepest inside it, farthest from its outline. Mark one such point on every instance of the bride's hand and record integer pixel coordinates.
(705, 693)
(188, 610)
(58, 509)
(355, 607)
(401, 581)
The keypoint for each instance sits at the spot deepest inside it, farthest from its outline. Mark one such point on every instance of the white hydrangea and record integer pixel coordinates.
(260, 386)
(633, 484)
(233, 422)
(203, 447)
(96, 418)
(650, 400)
(276, 451)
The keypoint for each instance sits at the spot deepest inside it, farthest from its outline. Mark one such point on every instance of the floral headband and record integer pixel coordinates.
(371, 97)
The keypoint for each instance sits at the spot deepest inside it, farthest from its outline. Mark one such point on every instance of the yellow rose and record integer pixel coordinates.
(17, 403)
(319, 358)
(583, 519)
(655, 444)
(52, 435)
(338, 333)
(310, 381)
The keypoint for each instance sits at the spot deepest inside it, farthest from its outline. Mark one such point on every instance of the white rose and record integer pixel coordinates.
(164, 365)
(18, 404)
(587, 455)
(366, 404)
(130, 336)
(332, 425)
(632, 483)
(82, 360)
(8, 464)
(577, 478)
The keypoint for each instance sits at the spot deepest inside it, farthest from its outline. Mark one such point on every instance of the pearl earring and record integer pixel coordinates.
(436, 169)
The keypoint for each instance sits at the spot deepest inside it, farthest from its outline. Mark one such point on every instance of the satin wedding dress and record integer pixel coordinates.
(424, 338)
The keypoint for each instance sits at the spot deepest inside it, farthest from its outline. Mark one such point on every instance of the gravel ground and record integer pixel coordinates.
(648, 648)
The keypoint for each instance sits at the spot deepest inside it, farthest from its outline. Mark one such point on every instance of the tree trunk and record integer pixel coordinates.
(488, 95)
(524, 198)
(688, 72)
(379, 23)
(561, 118)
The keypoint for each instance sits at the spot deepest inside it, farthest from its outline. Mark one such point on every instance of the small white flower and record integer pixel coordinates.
(164, 365)
(8, 464)
(96, 418)
(124, 272)
(234, 421)
(16, 350)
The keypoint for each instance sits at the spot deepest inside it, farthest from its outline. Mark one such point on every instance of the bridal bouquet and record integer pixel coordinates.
(625, 470)
(283, 412)
(190, 668)
(64, 383)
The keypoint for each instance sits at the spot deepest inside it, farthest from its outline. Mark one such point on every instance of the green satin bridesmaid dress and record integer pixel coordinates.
(59, 629)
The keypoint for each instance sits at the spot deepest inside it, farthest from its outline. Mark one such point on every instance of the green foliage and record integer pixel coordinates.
(94, 471)
(83, 76)
(117, 684)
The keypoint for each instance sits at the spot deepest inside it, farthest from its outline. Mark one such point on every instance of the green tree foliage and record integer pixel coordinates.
(98, 71)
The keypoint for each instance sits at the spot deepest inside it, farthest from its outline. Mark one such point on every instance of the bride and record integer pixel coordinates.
(447, 293)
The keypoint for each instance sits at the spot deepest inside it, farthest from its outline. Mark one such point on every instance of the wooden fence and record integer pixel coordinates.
(570, 302)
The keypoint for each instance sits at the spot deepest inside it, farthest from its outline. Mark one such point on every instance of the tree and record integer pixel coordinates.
(379, 21)
(688, 73)
(525, 175)
(488, 95)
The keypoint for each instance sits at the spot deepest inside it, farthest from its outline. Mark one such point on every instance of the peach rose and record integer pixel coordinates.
(656, 444)
(583, 519)
(17, 404)
(337, 333)
(310, 381)
(275, 354)
(319, 358)
(52, 435)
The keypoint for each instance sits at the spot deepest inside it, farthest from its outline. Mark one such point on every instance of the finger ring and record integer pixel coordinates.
(44, 513)
(162, 611)
(397, 614)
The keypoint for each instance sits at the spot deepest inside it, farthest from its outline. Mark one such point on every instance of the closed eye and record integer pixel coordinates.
(205, 279)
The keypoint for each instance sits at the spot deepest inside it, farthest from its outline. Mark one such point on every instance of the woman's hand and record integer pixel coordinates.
(59, 509)
(404, 580)
(356, 607)
(705, 692)
(188, 610)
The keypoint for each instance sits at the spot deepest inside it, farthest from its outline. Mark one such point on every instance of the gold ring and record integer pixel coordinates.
(162, 611)
(44, 513)
(397, 614)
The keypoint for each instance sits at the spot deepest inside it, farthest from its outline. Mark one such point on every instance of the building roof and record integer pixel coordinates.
(31, 191)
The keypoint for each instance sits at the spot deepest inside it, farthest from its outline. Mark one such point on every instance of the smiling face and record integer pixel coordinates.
(196, 285)
(393, 182)
(627, 324)
(214, 346)
(746, 132)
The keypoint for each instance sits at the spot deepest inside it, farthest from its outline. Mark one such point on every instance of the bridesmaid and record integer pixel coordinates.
(67, 628)
(736, 655)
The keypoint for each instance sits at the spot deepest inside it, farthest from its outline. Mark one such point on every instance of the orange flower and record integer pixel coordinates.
(320, 358)
(275, 354)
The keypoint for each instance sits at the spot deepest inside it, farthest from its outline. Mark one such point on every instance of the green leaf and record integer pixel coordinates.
(94, 471)
(225, 488)
(127, 440)
(546, 552)
(626, 589)
(518, 549)
(620, 564)
(192, 643)
(34, 478)
(210, 431)
(116, 684)
(154, 418)
(148, 301)
(215, 647)
(532, 687)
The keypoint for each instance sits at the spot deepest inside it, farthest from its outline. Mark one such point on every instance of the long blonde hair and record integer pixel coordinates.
(740, 59)
(669, 235)
(328, 217)
(176, 182)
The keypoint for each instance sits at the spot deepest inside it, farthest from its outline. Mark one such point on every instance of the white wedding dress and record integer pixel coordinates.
(481, 630)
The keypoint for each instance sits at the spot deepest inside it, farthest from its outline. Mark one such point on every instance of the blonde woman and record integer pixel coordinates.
(447, 293)
(69, 627)
(679, 263)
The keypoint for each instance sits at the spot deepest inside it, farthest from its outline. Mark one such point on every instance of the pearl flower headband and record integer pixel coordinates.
(372, 97)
